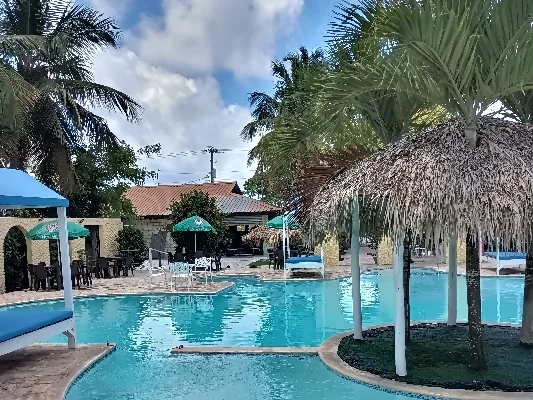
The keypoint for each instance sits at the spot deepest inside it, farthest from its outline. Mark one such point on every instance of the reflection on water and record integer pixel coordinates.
(253, 313)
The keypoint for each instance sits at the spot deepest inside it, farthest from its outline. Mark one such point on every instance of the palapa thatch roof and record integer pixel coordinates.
(432, 182)
(262, 233)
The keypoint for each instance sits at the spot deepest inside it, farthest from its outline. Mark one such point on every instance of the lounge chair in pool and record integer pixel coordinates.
(20, 328)
(510, 258)
(310, 262)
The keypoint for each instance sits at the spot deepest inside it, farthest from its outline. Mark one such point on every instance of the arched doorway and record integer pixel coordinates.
(15, 260)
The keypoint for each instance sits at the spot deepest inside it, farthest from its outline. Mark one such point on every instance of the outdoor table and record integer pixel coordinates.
(231, 252)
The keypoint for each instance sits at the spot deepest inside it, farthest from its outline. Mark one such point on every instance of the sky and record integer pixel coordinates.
(190, 64)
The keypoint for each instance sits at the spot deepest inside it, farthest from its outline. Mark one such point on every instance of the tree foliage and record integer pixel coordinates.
(198, 204)
(102, 178)
(130, 238)
(14, 258)
(50, 64)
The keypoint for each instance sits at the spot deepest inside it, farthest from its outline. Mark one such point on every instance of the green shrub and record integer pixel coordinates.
(129, 238)
(199, 204)
(14, 258)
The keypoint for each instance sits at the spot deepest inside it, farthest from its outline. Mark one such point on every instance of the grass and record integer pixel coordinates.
(258, 263)
(437, 356)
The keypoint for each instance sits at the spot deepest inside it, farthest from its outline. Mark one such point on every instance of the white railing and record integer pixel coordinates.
(150, 255)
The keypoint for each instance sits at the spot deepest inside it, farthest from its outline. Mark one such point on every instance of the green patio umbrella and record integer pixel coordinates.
(193, 224)
(49, 230)
(290, 222)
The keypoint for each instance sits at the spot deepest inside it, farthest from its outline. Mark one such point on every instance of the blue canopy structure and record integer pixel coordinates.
(19, 329)
(20, 190)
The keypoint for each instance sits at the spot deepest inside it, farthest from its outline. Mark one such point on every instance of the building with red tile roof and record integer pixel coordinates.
(152, 203)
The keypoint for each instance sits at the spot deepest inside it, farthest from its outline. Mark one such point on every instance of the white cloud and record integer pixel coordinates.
(201, 36)
(167, 63)
(111, 9)
(180, 113)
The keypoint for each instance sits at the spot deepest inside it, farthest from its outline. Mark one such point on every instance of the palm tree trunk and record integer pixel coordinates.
(526, 334)
(406, 276)
(476, 356)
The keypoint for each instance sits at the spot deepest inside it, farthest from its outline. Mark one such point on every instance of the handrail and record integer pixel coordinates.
(150, 255)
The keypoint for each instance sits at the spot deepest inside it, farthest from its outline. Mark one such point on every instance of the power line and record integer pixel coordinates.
(189, 153)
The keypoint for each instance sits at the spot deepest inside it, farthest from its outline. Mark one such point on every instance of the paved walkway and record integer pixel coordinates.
(45, 372)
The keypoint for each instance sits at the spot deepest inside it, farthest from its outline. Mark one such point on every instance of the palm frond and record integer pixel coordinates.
(99, 96)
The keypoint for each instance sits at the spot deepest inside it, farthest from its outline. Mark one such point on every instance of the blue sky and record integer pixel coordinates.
(190, 63)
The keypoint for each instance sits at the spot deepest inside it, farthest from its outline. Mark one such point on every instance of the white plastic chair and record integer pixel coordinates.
(180, 270)
(155, 272)
(205, 263)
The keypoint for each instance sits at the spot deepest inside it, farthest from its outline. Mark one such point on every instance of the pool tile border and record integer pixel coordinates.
(243, 350)
(118, 294)
(59, 390)
(327, 352)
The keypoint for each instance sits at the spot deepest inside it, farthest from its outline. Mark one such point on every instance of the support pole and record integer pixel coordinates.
(497, 256)
(399, 313)
(452, 281)
(283, 243)
(356, 274)
(480, 247)
(65, 268)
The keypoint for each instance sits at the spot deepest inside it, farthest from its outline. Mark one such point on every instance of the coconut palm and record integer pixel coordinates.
(267, 108)
(463, 56)
(520, 107)
(64, 90)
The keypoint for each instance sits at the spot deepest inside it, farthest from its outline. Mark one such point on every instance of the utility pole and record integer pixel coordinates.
(211, 150)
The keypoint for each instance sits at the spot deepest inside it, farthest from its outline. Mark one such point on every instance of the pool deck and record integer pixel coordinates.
(45, 372)
(131, 285)
(235, 266)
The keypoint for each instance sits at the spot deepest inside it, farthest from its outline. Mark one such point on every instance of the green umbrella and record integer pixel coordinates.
(193, 224)
(49, 230)
(290, 222)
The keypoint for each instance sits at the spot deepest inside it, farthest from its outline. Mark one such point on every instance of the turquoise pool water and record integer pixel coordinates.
(253, 313)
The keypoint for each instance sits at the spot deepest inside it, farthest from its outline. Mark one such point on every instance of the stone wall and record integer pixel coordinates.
(331, 251)
(384, 252)
(149, 227)
(461, 252)
(38, 250)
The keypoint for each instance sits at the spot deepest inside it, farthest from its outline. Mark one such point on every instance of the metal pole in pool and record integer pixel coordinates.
(356, 274)
(480, 247)
(283, 238)
(399, 313)
(497, 256)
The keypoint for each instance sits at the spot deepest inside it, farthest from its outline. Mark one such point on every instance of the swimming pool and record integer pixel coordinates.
(253, 313)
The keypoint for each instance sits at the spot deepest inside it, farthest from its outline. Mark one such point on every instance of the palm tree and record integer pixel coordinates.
(462, 56)
(64, 91)
(520, 107)
(267, 108)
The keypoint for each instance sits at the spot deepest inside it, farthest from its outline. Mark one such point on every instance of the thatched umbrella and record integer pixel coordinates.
(262, 233)
(433, 181)
(435, 184)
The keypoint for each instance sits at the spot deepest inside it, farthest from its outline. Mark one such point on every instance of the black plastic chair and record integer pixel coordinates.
(41, 277)
(75, 275)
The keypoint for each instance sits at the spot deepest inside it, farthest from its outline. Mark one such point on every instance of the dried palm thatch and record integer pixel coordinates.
(434, 183)
(263, 233)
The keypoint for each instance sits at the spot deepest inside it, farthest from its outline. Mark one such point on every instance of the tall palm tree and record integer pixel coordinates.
(267, 108)
(463, 56)
(520, 107)
(64, 90)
